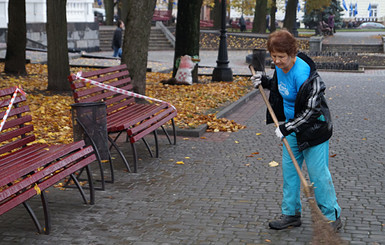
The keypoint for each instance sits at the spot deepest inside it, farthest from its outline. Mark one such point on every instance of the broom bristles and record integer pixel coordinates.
(323, 232)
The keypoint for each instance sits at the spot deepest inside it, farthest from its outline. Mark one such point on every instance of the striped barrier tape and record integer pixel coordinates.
(117, 90)
(18, 90)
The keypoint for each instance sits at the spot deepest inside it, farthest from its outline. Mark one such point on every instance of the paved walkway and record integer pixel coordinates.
(368, 38)
(225, 192)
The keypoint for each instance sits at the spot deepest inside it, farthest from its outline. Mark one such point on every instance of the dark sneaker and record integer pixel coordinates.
(337, 224)
(286, 221)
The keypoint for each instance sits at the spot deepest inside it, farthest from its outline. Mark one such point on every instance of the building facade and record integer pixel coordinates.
(83, 31)
(353, 10)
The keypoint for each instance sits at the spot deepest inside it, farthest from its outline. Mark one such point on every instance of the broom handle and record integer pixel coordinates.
(303, 180)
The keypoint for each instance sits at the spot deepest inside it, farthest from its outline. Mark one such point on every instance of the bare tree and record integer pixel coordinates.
(170, 5)
(217, 14)
(109, 7)
(273, 9)
(136, 39)
(16, 38)
(290, 15)
(187, 31)
(259, 24)
(58, 62)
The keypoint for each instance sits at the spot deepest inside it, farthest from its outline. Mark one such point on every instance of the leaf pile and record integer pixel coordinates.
(196, 104)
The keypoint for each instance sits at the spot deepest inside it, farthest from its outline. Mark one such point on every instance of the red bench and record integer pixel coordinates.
(27, 169)
(124, 115)
(206, 23)
(162, 15)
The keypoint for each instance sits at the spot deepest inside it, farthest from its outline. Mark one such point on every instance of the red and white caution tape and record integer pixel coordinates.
(18, 89)
(118, 90)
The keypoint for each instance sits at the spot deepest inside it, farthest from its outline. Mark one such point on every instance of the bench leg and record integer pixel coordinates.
(91, 185)
(148, 147)
(80, 188)
(156, 144)
(47, 216)
(174, 130)
(33, 216)
(165, 133)
(135, 156)
(96, 150)
(113, 144)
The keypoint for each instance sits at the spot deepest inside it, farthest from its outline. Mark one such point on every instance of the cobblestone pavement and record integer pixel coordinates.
(222, 195)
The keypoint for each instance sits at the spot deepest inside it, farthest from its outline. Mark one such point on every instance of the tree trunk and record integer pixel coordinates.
(58, 62)
(272, 16)
(259, 24)
(290, 15)
(16, 38)
(124, 11)
(187, 31)
(136, 40)
(170, 5)
(217, 14)
(109, 7)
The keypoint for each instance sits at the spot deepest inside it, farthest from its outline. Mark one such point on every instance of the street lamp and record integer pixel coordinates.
(222, 72)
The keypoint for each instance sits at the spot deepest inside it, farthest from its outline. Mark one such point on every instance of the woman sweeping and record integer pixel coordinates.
(297, 97)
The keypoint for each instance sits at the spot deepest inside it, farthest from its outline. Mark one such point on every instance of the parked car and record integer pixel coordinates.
(371, 25)
(100, 15)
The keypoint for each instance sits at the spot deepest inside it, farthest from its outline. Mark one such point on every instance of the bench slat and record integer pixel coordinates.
(44, 157)
(149, 123)
(12, 134)
(44, 172)
(18, 99)
(15, 111)
(140, 135)
(18, 154)
(16, 122)
(44, 185)
(94, 90)
(17, 144)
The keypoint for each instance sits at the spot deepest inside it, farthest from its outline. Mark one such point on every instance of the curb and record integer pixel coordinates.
(224, 112)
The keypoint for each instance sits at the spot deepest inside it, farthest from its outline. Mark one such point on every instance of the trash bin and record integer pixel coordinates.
(89, 122)
(258, 60)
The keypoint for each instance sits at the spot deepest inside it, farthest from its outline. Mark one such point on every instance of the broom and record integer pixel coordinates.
(323, 233)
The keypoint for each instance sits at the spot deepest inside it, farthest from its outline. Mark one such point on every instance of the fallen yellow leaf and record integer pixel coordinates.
(273, 164)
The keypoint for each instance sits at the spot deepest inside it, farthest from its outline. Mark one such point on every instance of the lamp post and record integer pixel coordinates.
(222, 72)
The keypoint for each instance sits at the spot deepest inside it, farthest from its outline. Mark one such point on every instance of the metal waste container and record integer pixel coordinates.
(258, 60)
(89, 122)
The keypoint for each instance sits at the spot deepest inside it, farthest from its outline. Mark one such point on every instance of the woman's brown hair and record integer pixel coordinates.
(282, 41)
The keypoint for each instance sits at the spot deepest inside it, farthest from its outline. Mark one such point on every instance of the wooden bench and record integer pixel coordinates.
(27, 169)
(162, 15)
(124, 114)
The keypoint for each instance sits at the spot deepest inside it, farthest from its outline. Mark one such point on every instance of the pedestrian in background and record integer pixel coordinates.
(331, 23)
(242, 24)
(117, 39)
(297, 97)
